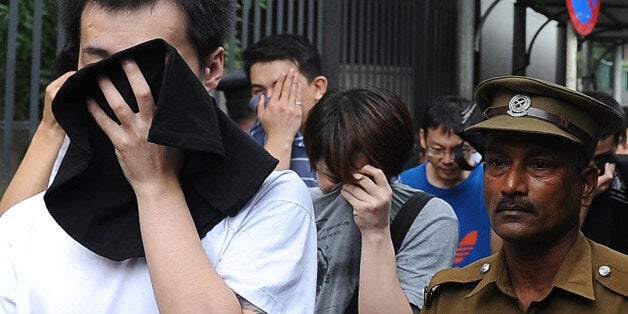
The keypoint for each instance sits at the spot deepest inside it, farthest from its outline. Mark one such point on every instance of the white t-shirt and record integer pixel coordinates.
(266, 254)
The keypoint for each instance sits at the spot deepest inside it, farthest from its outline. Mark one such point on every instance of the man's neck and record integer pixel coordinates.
(532, 268)
(442, 183)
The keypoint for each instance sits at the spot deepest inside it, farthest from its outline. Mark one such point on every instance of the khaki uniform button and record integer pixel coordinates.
(484, 268)
(604, 271)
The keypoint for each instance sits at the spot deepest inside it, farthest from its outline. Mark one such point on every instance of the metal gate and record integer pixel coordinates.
(406, 46)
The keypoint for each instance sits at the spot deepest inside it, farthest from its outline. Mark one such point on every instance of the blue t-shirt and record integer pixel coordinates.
(467, 200)
(299, 162)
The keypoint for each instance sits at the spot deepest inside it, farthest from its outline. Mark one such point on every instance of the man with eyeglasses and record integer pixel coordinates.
(454, 173)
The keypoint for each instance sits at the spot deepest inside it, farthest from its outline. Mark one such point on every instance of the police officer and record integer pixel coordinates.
(540, 138)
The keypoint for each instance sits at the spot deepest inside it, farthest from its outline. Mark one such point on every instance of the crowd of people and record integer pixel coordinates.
(139, 194)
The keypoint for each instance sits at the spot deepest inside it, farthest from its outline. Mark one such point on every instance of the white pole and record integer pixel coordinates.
(617, 73)
(571, 60)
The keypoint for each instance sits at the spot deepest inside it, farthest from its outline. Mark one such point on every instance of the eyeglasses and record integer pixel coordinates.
(440, 153)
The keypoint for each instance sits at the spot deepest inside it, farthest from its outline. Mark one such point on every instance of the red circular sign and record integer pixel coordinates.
(583, 14)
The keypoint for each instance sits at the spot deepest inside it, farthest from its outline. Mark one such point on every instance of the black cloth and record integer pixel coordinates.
(607, 220)
(91, 199)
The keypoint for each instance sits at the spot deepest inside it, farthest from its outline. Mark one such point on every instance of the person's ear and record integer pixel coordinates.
(423, 139)
(320, 87)
(213, 69)
(589, 184)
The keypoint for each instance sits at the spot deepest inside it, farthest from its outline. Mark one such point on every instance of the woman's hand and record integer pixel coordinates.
(371, 199)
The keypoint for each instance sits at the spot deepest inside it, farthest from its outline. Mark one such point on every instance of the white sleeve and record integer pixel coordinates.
(429, 246)
(7, 272)
(271, 258)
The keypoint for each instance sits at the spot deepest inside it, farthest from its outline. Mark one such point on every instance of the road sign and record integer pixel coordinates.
(583, 14)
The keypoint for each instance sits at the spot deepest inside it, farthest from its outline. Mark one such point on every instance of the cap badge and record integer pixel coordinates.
(518, 105)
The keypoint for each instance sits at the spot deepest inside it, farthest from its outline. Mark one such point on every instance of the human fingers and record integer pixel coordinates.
(275, 93)
(140, 88)
(287, 88)
(50, 93)
(119, 106)
(604, 181)
(299, 95)
(108, 126)
(261, 104)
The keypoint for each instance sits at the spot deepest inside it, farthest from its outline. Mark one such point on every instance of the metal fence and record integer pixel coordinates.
(406, 46)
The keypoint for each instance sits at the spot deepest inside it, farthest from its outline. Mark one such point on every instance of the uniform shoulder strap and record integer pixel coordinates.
(407, 214)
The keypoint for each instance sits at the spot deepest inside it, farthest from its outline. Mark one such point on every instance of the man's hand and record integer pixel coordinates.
(282, 116)
(604, 181)
(371, 199)
(142, 162)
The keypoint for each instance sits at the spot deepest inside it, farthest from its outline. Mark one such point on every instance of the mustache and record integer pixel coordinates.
(514, 203)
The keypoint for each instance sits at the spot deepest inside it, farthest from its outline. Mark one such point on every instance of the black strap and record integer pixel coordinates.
(398, 229)
(406, 216)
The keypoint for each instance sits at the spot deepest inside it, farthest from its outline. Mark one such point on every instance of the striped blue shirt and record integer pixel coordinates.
(299, 162)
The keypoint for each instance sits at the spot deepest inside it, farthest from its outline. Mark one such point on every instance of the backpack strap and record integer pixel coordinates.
(407, 214)
(398, 229)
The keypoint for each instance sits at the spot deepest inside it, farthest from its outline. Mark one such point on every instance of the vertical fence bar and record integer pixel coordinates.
(300, 17)
(35, 67)
(319, 24)
(231, 53)
(280, 16)
(257, 20)
(344, 59)
(246, 6)
(370, 65)
(310, 21)
(290, 16)
(269, 17)
(360, 43)
(9, 91)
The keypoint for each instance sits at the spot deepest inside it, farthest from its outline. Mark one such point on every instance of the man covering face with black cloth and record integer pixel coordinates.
(161, 203)
(540, 138)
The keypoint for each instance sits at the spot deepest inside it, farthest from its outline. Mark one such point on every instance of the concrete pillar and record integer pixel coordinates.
(570, 58)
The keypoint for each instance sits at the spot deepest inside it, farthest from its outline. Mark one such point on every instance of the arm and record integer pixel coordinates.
(34, 171)
(380, 289)
(182, 276)
(281, 119)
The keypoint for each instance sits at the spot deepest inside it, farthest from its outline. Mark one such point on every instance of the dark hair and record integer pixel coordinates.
(285, 47)
(208, 22)
(447, 112)
(345, 124)
(620, 136)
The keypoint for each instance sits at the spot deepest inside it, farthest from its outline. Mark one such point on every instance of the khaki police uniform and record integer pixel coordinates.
(592, 279)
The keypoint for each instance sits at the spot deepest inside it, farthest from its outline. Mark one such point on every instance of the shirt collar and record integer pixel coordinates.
(574, 274)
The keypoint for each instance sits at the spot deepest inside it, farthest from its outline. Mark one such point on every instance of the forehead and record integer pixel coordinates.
(115, 30)
(438, 135)
(528, 143)
(266, 73)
